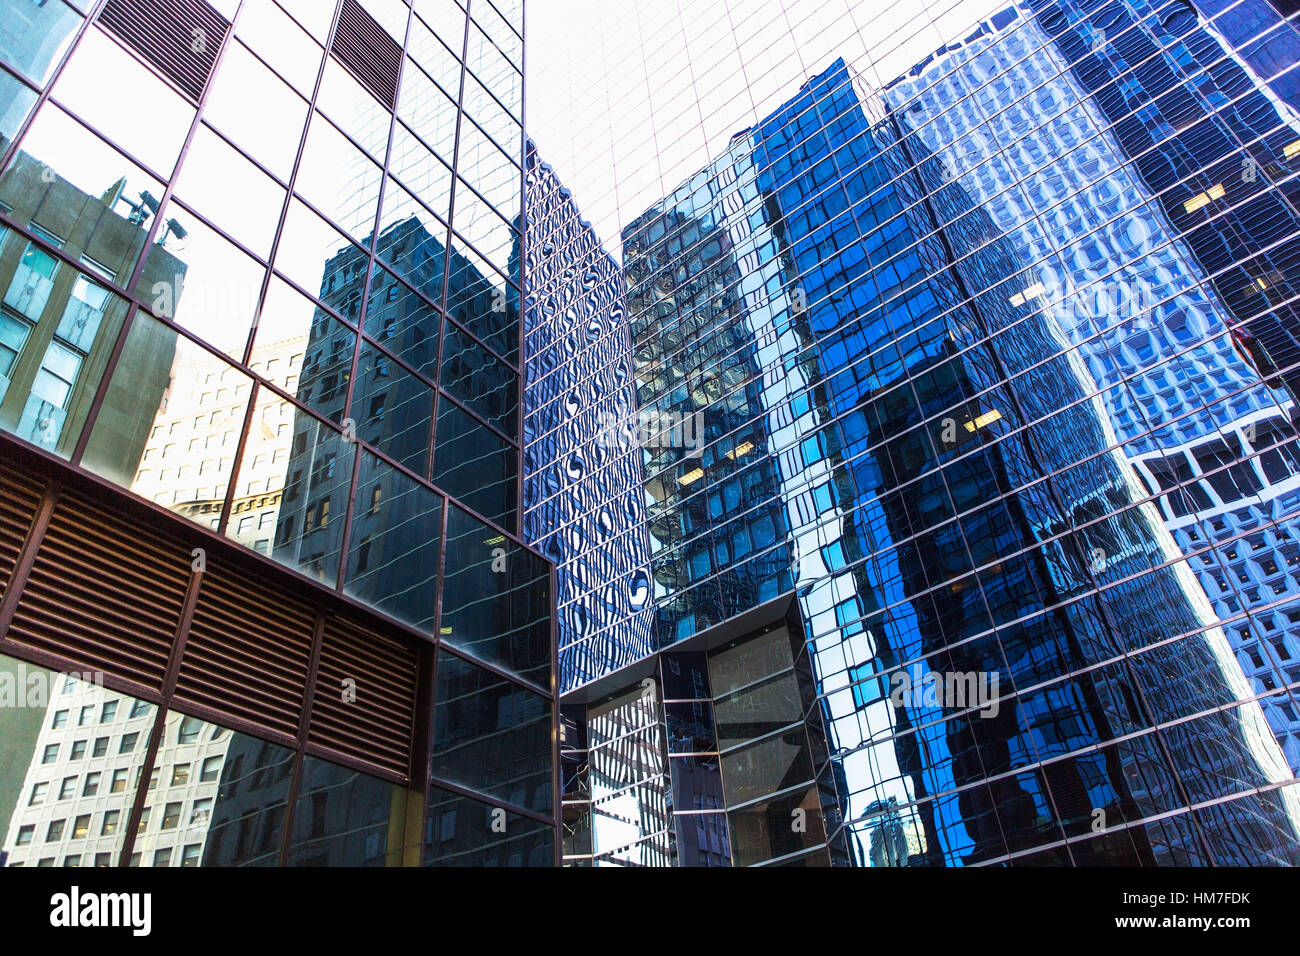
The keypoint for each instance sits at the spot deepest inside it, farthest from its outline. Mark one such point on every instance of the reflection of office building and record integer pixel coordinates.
(59, 322)
(908, 471)
(289, 337)
(1149, 321)
(186, 462)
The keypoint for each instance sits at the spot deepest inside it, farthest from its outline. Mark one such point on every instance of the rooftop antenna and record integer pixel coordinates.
(142, 210)
(172, 228)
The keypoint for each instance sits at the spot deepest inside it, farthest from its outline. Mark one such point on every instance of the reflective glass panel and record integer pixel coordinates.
(475, 465)
(491, 735)
(50, 779)
(393, 551)
(496, 599)
(343, 818)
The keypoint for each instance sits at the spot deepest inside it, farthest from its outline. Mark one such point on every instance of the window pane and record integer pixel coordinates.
(339, 180)
(33, 36)
(491, 735)
(153, 129)
(475, 377)
(170, 423)
(764, 831)
(403, 321)
(53, 364)
(39, 757)
(464, 832)
(270, 133)
(89, 175)
(474, 464)
(280, 42)
(231, 192)
(342, 818)
(392, 409)
(309, 525)
(213, 291)
(236, 818)
(481, 300)
(766, 767)
(496, 599)
(393, 555)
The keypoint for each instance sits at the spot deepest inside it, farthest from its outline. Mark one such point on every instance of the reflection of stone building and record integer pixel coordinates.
(76, 795)
(58, 324)
(186, 465)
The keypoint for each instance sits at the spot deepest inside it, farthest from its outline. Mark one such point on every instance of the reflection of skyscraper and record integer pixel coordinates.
(1149, 321)
(931, 470)
(1212, 142)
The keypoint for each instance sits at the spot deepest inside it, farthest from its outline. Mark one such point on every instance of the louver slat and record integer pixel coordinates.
(369, 53)
(179, 37)
(377, 726)
(248, 651)
(102, 595)
(19, 499)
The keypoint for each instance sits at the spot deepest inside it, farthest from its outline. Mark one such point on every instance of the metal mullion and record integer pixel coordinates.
(494, 669)
(345, 539)
(523, 391)
(168, 689)
(293, 178)
(427, 699)
(352, 762)
(237, 460)
(304, 724)
(451, 199)
(136, 810)
(22, 569)
(360, 341)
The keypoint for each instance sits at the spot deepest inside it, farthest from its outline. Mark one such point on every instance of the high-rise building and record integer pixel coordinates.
(1147, 314)
(918, 596)
(259, 412)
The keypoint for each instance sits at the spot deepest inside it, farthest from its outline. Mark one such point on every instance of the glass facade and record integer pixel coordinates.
(981, 382)
(264, 288)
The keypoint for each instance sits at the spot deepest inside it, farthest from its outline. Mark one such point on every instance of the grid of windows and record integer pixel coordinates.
(990, 361)
(296, 326)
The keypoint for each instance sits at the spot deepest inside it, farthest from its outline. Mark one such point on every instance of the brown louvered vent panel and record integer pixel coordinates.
(180, 37)
(368, 51)
(20, 496)
(104, 593)
(248, 650)
(377, 726)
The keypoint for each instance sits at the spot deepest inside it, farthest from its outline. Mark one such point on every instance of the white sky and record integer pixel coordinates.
(627, 98)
